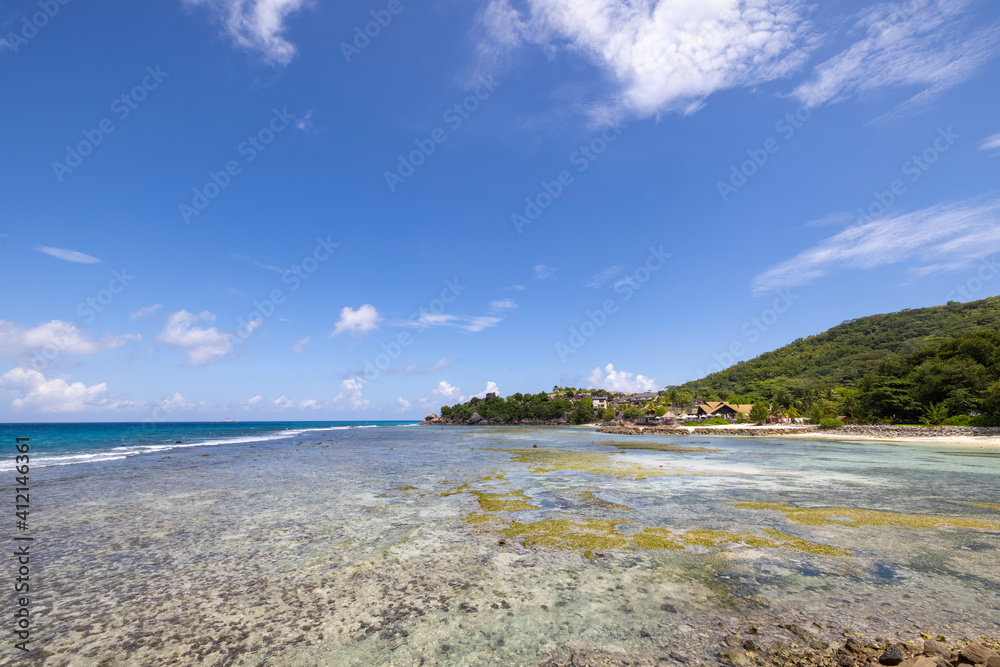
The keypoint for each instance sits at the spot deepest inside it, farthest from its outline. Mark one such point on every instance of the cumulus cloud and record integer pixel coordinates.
(660, 56)
(309, 404)
(351, 394)
(68, 255)
(38, 394)
(283, 403)
(199, 344)
(176, 402)
(252, 403)
(448, 392)
(922, 44)
(299, 345)
(623, 381)
(404, 404)
(256, 25)
(357, 322)
(57, 335)
(491, 388)
(940, 238)
(146, 310)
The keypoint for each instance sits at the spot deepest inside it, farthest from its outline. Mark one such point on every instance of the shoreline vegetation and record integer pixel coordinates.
(873, 378)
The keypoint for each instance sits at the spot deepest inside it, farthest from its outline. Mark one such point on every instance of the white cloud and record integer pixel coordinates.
(176, 402)
(604, 276)
(200, 345)
(939, 238)
(283, 403)
(57, 335)
(623, 381)
(449, 392)
(917, 43)
(990, 143)
(299, 345)
(56, 395)
(543, 272)
(252, 403)
(404, 404)
(351, 394)
(358, 322)
(68, 255)
(839, 218)
(469, 323)
(503, 304)
(491, 388)
(310, 403)
(257, 25)
(146, 310)
(661, 56)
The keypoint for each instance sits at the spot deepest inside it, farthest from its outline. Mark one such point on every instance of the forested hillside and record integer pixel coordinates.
(844, 354)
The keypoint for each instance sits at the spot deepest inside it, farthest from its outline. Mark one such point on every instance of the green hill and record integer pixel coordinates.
(841, 356)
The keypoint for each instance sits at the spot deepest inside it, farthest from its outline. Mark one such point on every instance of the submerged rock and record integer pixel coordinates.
(934, 647)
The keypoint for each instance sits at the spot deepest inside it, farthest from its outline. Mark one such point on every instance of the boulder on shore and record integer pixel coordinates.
(475, 418)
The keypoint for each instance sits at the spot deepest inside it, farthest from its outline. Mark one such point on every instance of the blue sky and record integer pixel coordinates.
(253, 209)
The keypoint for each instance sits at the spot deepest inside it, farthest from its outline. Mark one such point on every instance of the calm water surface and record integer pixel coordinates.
(332, 544)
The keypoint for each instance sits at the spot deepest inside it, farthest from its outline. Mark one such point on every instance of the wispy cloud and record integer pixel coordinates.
(939, 238)
(839, 218)
(926, 44)
(256, 25)
(659, 56)
(299, 345)
(604, 276)
(990, 143)
(468, 323)
(502, 305)
(415, 369)
(146, 310)
(68, 255)
(543, 272)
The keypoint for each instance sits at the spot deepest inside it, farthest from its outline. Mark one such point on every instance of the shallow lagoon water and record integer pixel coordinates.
(470, 546)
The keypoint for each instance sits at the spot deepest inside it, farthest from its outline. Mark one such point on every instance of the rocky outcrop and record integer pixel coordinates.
(886, 431)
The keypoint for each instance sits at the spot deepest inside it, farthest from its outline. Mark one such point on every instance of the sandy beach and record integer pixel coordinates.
(984, 442)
